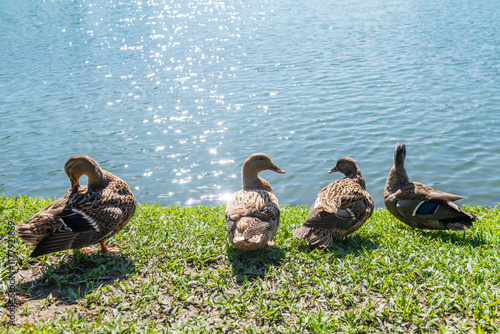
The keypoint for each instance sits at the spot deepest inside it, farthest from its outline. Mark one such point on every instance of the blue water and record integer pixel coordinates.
(172, 96)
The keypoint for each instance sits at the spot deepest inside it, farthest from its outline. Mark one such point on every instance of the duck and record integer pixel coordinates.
(86, 215)
(252, 214)
(420, 206)
(341, 207)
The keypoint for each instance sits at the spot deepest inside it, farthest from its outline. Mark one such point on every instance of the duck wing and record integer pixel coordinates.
(422, 204)
(415, 198)
(252, 213)
(43, 222)
(87, 218)
(339, 205)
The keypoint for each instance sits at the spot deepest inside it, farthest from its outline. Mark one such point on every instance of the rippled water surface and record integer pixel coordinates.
(172, 96)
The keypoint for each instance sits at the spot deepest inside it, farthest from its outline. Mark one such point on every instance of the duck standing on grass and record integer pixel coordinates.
(420, 206)
(84, 216)
(253, 214)
(341, 208)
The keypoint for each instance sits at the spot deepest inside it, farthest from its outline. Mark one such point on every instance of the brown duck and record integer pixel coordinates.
(253, 214)
(84, 216)
(341, 208)
(420, 206)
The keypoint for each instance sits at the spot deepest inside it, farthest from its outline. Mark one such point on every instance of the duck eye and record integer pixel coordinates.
(261, 158)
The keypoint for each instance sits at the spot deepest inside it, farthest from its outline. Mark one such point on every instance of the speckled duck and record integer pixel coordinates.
(253, 214)
(85, 215)
(341, 208)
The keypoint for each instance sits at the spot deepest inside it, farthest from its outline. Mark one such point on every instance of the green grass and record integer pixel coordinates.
(177, 273)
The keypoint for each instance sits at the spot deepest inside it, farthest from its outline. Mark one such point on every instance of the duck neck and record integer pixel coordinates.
(400, 171)
(397, 176)
(97, 178)
(356, 176)
(251, 181)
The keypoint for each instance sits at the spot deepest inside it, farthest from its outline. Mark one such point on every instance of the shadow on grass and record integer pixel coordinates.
(73, 278)
(254, 264)
(459, 238)
(352, 245)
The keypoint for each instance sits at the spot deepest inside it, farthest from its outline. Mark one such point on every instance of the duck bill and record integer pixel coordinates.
(333, 170)
(74, 184)
(401, 148)
(399, 153)
(277, 169)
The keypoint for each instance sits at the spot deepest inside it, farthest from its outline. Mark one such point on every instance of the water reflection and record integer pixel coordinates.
(174, 95)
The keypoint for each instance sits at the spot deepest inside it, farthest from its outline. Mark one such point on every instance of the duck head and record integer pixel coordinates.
(258, 162)
(79, 165)
(346, 166)
(255, 164)
(400, 154)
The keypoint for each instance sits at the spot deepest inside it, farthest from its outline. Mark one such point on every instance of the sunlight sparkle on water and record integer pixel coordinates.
(159, 148)
(224, 197)
(181, 88)
(183, 181)
(222, 162)
(192, 201)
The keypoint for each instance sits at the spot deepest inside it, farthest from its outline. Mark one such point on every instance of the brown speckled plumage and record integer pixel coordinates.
(420, 206)
(252, 214)
(341, 208)
(84, 216)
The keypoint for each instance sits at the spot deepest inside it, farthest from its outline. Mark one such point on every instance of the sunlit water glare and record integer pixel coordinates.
(172, 96)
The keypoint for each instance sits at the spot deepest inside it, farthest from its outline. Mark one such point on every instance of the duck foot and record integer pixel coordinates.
(269, 244)
(89, 250)
(104, 249)
(112, 250)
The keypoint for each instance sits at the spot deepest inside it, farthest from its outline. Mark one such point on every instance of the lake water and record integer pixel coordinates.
(172, 96)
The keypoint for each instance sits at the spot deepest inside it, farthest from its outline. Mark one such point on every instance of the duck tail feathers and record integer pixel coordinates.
(302, 232)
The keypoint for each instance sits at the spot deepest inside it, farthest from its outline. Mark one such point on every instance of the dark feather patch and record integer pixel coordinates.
(459, 219)
(427, 208)
(77, 223)
(329, 221)
(59, 239)
(62, 238)
(83, 240)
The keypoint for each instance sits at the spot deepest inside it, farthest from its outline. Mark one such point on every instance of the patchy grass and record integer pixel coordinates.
(176, 273)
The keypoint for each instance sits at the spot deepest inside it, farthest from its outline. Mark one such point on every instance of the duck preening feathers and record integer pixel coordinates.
(84, 216)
